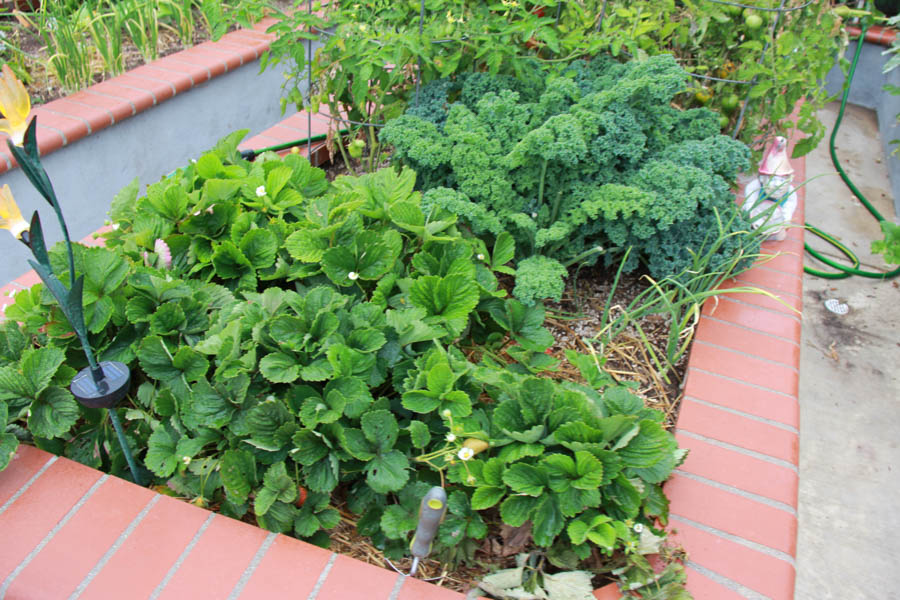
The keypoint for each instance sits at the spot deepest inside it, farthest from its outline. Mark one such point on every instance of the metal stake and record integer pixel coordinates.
(126, 450)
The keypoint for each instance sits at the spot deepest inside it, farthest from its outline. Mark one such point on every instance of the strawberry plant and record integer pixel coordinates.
(296, 345)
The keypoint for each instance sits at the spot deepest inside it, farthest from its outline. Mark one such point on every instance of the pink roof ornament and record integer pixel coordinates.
(775, 161)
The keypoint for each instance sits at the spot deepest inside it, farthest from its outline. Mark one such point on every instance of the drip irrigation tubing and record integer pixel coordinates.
(844, 270)
(251, 154)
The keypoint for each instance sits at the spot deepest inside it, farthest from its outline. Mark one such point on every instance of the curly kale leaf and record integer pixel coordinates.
(433, 101)
(418, 143)
(717, 154)
(559, 139)
(595, 156)
(539, 277)
(480, 219)
(477, 85)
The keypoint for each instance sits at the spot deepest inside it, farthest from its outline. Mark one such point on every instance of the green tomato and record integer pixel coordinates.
(752, 20)
(723, 122)
(730, 102)
(355, 148)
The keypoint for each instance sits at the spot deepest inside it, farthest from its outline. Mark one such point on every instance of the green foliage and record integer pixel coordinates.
(74, 32)
(786, 56)
(599, 161)
(368, 64)
(289, 337)
(890, 245)
(365, 68)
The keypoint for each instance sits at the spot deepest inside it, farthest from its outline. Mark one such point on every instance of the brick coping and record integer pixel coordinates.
(733, 501)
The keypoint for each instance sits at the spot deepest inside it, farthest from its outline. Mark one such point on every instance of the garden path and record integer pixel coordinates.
(849, 387)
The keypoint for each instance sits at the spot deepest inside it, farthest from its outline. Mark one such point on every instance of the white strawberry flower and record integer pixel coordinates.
(261, 191)
(465, 453)
(352, 275)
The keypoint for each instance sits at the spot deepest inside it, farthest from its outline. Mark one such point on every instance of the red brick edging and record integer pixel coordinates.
(71, 531)
(734, 500)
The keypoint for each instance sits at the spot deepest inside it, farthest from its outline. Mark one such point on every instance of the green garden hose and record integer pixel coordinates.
(843, 270)
(251, 154)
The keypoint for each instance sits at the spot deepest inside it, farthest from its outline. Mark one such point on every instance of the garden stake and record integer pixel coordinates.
(431, 513)
(99, 385)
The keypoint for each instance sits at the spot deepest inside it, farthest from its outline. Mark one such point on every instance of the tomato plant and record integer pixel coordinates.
(376, 59)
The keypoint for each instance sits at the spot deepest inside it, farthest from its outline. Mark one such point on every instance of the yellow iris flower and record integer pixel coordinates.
(10, 215)
(15, 106)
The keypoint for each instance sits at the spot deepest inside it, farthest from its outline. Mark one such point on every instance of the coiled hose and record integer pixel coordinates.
(843, 270)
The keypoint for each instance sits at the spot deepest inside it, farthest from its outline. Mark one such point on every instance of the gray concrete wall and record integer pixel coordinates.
(88, 173)
(866, 90)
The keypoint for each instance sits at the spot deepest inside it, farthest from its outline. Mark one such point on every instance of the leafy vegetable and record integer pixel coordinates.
(596, 163)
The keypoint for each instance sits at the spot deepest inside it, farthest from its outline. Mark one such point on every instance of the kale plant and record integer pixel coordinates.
(597, 161)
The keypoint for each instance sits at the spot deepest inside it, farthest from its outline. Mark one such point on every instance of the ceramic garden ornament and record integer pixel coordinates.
(770, 198)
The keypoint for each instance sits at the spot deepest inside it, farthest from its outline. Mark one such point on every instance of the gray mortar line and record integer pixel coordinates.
(734, 586)
(738, 449)
(59, 131)
(398, 585)
(769, 287)
(322, 577)
(749, 383)
(762, 265)
(68, 116)
(156, 80)
(181, 558)
(788, 315)
(112, 117)
(62, 522)
(112, 96)
(114, 548)
(209, 75)
(774, 363)
(137, 89)
(27, 485)
(226, 51)
(741, 413)
(738, 491)
(737, 540)
(751, 329)
(254, 563)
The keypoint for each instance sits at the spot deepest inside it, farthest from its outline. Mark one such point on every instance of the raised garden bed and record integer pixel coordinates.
(741, 431)
(699, 481)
